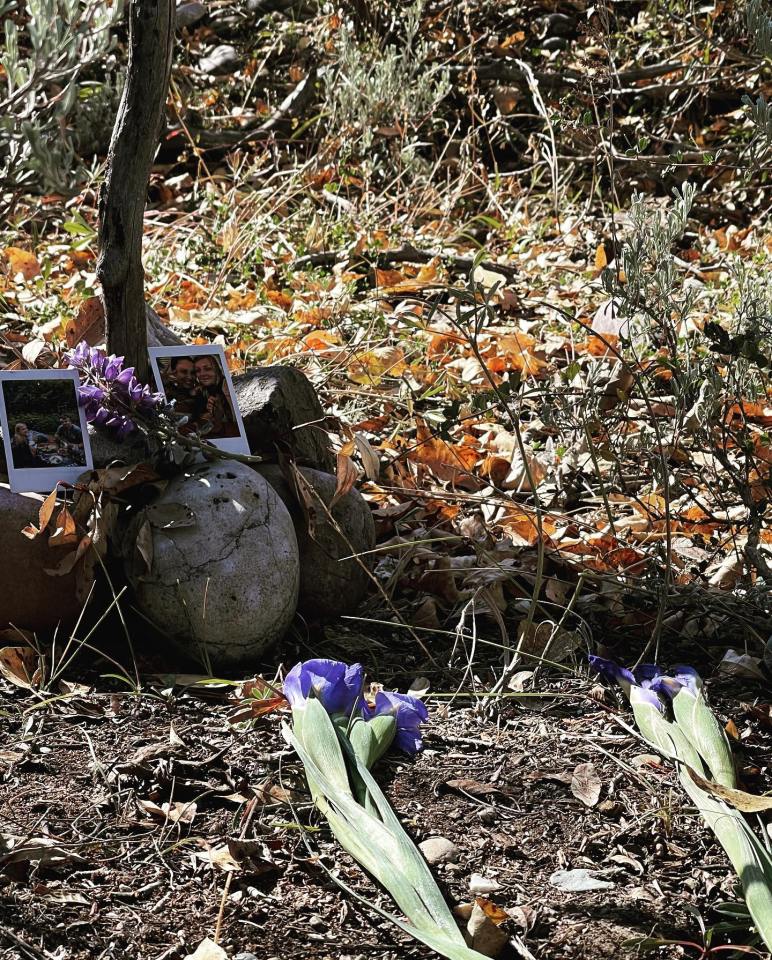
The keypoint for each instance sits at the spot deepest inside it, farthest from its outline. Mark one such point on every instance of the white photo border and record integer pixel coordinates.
(228, 444)
(42, 479)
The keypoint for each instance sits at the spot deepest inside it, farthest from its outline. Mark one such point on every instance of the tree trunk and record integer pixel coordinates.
(122, 200)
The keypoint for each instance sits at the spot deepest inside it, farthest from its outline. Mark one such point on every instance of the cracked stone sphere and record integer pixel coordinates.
(213, 563)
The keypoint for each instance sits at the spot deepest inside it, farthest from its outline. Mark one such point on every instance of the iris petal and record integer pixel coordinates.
(335, 684)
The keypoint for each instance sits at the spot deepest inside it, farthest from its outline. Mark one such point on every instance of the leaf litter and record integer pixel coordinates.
(506, 518)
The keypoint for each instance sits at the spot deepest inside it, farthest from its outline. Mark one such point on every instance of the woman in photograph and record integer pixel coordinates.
(23, 448)
(218, 412)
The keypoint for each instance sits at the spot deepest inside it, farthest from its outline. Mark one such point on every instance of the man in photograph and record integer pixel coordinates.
(69, 439)
(67, 432)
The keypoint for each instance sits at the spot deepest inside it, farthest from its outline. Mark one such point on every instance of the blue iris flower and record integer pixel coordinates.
(408, 712)
(610, 670)
(335, 684)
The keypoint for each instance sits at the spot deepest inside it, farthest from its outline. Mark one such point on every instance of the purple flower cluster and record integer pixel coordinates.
(339, 688)
(109, 392)
(649, 680)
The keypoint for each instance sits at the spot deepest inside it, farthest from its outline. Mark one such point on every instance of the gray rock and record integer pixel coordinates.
(189, 14)
(29, 597)
(158, 334)
(329, 587)
(439, 850)
(222, 59)
(223, 577)
(105, 449)
(280, 406)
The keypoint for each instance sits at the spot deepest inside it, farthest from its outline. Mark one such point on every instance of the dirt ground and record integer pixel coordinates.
(128, 822)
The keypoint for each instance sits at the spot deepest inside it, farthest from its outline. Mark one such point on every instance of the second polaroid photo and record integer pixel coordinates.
(197, 379)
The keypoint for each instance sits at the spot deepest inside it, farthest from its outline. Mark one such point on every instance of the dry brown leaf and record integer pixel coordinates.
(491, 910)
(547, 640)
(37, 353)
(65, 532)
(474, 787)
(483, 934)
(19, 665)
(88, 325)
(370, 367)
(523, 526)
(118, 479)
(44, 515)
(585, 784)
(220, 858)
(144, 544)
(446, 460)
(21, 262)
(370, 459)
(346, 476)
(440, 581)
(179, 812)
(739, 799)
(67, 564)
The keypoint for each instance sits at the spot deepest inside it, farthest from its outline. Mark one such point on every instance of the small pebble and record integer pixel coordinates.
(480, 886)
(439, 850)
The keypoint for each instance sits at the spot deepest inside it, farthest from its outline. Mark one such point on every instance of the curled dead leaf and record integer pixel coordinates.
(19, 665)
(346, 475)
(739, 799)
(65, 532)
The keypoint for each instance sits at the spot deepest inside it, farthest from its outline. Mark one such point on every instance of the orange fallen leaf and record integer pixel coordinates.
(523, 526)
(446, 460)
(88, 324)
(370, 367)
(21, 262)
(19, 665)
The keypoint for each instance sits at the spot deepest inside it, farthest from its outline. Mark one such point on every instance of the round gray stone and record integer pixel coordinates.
(439, 850)
(223, 579)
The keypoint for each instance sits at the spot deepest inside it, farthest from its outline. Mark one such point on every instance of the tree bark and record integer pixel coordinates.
(122, 200)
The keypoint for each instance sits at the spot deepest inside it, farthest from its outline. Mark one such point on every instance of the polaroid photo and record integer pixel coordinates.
(197, 379)
(44, 430)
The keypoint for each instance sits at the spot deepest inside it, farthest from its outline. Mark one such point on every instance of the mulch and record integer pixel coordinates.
(98, 867)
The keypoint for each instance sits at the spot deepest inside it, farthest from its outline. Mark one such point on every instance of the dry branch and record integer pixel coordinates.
(404, 254)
